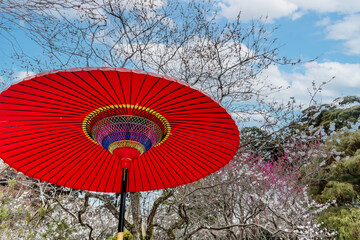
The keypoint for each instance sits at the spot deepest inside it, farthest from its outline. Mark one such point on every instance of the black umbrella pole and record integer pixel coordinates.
(120, 234)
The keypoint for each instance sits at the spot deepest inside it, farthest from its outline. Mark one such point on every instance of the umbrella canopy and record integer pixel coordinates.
(71, 127)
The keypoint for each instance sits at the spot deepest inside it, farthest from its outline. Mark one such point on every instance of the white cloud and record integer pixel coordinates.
(346, 81)
(19, 76)
(254, 118)
(256, 8)
(14, 79)
(284, 8)
(326, 6)
(2, 83)
(324, 22)
(348, 30)
(96, 9)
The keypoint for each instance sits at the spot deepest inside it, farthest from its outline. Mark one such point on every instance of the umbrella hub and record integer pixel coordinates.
(127, 131)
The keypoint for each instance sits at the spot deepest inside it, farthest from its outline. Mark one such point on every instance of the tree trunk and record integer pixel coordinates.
(136, 215)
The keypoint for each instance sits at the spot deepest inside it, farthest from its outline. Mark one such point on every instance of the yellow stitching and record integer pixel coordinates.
(126, 143)
(94, 113)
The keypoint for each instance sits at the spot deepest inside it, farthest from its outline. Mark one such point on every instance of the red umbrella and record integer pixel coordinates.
(83, 128)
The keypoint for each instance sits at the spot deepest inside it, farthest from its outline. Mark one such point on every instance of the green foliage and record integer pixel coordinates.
(353, 164)
(326, 114)
(339, 177)
(340, 117)
(342, 182)
(342, 192)
(348, 170)
(260, 141)
(127, 236)
(347, 142)
(346, 221)
(343, 185)
(348, 99)
(22, 213)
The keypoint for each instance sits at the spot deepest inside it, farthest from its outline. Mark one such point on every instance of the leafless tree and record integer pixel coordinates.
(186, 40)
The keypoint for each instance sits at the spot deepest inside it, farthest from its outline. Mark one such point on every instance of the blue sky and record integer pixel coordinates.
(328, 30)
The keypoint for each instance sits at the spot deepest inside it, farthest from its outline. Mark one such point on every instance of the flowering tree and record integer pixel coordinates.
(249, 198)
(253, 197)
(34, 210)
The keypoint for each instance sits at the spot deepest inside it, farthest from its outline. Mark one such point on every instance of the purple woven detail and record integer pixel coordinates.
(125, 119)
(123, 127)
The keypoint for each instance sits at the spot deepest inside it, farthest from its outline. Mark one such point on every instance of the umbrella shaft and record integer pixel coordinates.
(122, 203)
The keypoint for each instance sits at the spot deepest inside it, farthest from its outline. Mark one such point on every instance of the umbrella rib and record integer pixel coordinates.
(33, 100)
(115, 178)
(133, 175)
(195, 157)
(33, 111)
(56, 140)
(57, 128)
(175, 121)
(37, 124)
(112, 87)
(153, 87)
(156, 169)
(95, 160)
(177, 97)
(97, 174)
(121, 86)
(170, 106)
(30, 120)
(138, 172)
(214, 142)
(29, 139)
(208, 127)
(78, 150)
(109, 95)
(190, 152)
(200, 124)
(185, 141)
(181, 169)
(179, 108)
(62, 151)
(75, 152)
(157, 94)
(148, 165)
(140, 162)
(142, 84)
(108, 178)
(131, 78)
(52, 93)
(34, 154)
(86, 98)
(170, 150)
(188, 111)
(193, 117)
(143, 167)
(102, 176)
(93, 88)
(94, 98)
(194, 131)
(170, 93)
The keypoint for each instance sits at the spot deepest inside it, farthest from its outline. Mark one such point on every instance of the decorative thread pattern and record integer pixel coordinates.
(126, 126)
(126, 143)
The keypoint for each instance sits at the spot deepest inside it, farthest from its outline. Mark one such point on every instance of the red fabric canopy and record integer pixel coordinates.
(41, 129)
